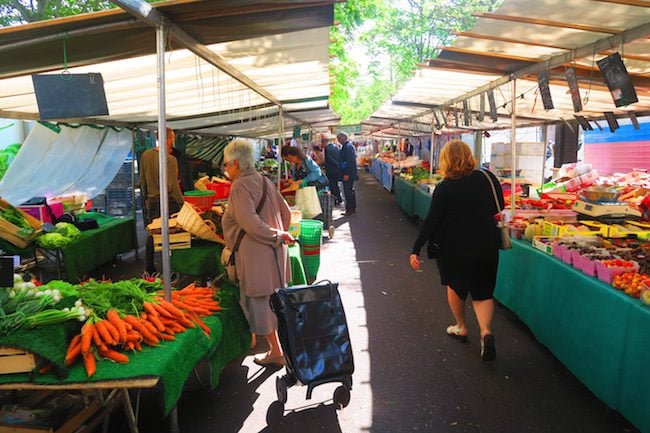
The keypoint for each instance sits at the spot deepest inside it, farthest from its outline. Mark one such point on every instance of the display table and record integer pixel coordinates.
(404, 195)
(421, 203)
(383, 172)
(94, 247)
(597, 332)
(204, 259)
(169, 365)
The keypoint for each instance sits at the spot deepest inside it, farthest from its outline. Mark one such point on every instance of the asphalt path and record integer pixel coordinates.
(409, 375)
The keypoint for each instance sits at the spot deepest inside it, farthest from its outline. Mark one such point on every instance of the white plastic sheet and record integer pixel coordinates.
(75, 160)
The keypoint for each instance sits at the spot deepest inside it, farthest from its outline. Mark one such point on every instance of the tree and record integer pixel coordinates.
(404, 34)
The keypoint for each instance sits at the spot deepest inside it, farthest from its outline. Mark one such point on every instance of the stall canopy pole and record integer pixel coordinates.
(135, 206)
(280, 144)
(162, 161)
(431, 148)
(513, 144)
(399, 141)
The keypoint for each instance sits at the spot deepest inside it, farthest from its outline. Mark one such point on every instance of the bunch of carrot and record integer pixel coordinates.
(158, 321)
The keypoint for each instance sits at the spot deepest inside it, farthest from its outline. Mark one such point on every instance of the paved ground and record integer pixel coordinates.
(410, 377)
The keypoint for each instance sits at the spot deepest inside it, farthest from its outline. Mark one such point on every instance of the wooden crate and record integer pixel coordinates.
(16, 361)
(177, 241)
(11, 232)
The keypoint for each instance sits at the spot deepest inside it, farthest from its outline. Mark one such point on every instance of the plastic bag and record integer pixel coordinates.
(307, 201)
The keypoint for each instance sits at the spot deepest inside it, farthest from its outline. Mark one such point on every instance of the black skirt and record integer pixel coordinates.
(474, 274)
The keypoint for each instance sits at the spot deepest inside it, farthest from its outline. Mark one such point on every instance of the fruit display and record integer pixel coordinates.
(630, 282)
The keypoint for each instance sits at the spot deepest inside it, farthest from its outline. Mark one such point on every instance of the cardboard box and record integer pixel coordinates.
(544, 243)
(177, 241)
(16, 361)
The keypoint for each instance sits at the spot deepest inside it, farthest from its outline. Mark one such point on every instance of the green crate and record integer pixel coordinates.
(311, 232)
(312, 264)
(198, 193)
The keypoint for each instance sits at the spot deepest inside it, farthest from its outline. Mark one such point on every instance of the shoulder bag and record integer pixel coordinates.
(504, 234)
(228, 255)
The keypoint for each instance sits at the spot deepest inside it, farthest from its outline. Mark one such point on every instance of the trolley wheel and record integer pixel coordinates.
(274, 414)
(331, 230)
(281, 389)
(341, 397)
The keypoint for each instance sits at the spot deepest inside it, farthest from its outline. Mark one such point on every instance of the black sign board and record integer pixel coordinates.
(6, 271)
(611, 120)
(584, 123)
(572, 80)
(617, 79)
(466, 113)
(493, 105)
(65, 96)
(481, 110)
(544, 90)
(634, 120)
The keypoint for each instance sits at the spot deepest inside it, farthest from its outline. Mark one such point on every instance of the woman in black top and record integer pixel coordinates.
(461, 222)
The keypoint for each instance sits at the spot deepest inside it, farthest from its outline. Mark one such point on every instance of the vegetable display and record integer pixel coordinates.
(64, 234)
(15, 217)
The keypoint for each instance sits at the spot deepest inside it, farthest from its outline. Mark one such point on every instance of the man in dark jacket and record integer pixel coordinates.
(348, 164)
(332, 167)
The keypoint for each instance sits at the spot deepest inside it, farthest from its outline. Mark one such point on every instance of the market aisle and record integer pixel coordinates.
(409, 375)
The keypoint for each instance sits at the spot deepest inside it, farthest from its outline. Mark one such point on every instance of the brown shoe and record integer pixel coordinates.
(270, 361)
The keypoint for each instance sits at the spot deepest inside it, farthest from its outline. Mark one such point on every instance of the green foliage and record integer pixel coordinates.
(14, 12)
(397, 36)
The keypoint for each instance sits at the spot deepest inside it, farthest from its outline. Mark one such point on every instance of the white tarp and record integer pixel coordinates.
(75, 160)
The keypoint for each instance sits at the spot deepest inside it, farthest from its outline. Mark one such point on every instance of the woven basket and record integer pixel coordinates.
(191, 221)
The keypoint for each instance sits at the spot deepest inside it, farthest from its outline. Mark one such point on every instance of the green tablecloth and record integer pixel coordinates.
(599, 333)
(421, 203)
(172, 362)
(404, 195)
(204, 259)
(11, 249)
(98, 246)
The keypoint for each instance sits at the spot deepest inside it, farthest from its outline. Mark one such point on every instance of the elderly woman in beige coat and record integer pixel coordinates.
(262, 255)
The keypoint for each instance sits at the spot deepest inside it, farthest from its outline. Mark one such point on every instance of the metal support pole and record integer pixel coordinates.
(280, 144)
(135, 204)
(162, 161)
(544, 139)
(431, 147)
(513, 144)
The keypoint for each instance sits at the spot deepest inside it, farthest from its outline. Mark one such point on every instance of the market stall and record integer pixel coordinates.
(599, 333)
(167, 365)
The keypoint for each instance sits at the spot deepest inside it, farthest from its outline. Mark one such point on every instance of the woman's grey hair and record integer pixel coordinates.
(242, 151)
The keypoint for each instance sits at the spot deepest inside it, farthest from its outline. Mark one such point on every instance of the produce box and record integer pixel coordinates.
(606, 273)
(16, 361)
(17, 235)
(41, 213)
(544, 243)
(553, 229)
(177, 241)
(628, 229)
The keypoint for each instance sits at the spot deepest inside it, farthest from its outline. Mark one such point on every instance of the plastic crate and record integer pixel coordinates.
(311, 232)
(202, 200)
(312, 265)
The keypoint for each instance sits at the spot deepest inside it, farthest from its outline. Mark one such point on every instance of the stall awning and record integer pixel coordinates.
(282, 46)
(520, 40)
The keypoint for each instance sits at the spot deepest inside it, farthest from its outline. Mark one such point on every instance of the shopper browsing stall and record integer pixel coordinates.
(461, 223)
(150, 187)
(332, 167)
(348, 164)
(255, 228)
(305, 171)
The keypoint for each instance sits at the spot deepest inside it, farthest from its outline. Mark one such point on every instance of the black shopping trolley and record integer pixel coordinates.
(326, 200)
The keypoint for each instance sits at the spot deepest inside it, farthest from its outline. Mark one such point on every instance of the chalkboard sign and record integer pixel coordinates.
(63, 96)
(611, 120)
(493, 105)
(617, 79)
(544, 90)
(572, 81)
(6, 271)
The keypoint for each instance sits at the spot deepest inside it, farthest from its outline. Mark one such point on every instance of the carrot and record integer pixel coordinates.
(74, 350)
(87, 332)
(115, 319)
(138, 326)
(162, 312)
(155, 320)
(45, 368)
(100, 329)
(167, 337)
(133, 336)
(202, 324)
(137, 346)
(150, 327)
(90, 364)
(129, 345)
(172, 309)
(151, 341)
(97, 339)
(114, 356)
(115, 334)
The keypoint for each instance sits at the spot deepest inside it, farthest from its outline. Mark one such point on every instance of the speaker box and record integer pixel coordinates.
(6, 271)
(67, 96)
